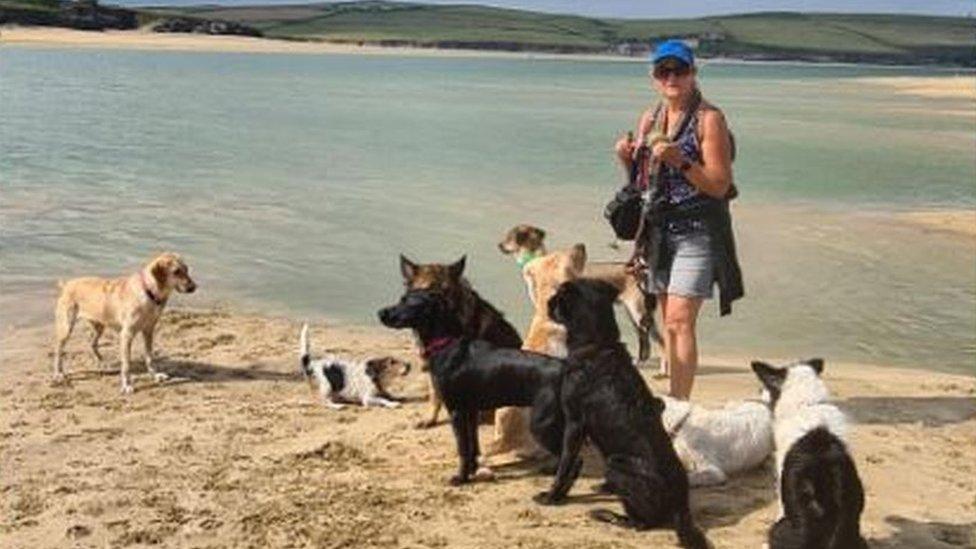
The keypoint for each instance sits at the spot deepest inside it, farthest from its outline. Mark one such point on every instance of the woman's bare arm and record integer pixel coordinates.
(713, 176)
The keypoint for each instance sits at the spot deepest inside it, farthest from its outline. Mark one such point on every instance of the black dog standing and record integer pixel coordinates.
(604, 398)
(473, 375)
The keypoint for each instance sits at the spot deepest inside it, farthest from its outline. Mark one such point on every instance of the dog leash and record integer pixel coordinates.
(674, 431)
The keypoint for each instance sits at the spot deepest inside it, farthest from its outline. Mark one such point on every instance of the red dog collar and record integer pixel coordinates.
(436, 345)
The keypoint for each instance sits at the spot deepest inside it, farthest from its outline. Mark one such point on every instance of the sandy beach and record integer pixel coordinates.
(962, 222)
(233, 451)
(951, 87)
(145, 39)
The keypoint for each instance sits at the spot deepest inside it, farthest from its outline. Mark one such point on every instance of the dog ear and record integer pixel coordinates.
(540, 234)
(770, 376)
(160, 272)
(816, 363)
(578, 256)
(608, 290)
(456, 269)
(407, 268)
(658, 405)
(555, 305)
(375, 367)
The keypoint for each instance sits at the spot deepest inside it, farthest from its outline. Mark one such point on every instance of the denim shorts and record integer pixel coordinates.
(687, 269)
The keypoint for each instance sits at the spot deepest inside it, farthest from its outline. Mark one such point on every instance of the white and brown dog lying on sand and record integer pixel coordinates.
(129, 305)
(526, 244)
(714, 444)
(343, 381)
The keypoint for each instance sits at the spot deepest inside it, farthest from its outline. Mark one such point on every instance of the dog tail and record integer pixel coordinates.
(688, 533)
(303, 349)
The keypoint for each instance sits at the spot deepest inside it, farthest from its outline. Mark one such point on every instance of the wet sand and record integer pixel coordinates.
(961, 222)
(953, 87)
(234, 451)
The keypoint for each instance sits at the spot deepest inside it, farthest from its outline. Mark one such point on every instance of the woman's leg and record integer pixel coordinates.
(665, 367)
(680, 316)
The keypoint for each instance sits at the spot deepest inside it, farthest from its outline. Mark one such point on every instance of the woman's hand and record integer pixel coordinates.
(668, 153)
(636, 146)
(635, 265)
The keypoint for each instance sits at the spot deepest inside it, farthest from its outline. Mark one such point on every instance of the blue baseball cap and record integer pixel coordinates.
(674, 49)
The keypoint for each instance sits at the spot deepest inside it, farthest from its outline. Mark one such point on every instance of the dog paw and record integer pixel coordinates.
(457, 480)
(127, 389)
(160, 377)
(608, 516)
(545, 498)
(484, 474)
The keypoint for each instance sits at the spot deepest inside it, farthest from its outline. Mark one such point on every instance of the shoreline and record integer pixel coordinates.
(144, 39)
(15, 339)
(933, 87)
(28, 301)
(958, 222)
(234, 448)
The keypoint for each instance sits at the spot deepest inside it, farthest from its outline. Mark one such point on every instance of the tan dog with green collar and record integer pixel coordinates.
(526, 244)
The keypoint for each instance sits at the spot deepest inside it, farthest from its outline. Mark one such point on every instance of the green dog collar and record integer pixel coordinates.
(525, 258)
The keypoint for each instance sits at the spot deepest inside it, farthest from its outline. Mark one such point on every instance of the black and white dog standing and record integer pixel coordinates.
(473, 375)
(821, 497)
(344, 381)
(605, 399)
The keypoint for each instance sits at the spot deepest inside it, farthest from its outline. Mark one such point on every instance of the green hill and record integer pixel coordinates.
(830, 37)
(890, 39)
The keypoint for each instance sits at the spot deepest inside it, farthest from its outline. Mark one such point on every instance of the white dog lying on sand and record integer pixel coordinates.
(714, 444)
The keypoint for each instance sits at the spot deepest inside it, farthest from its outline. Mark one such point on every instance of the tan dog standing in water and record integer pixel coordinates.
(128, 305)
(526, 244)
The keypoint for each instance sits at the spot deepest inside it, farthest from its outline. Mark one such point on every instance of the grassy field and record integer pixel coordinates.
(881, 38)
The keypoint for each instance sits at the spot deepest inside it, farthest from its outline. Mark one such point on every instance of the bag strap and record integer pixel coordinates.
(690, 114)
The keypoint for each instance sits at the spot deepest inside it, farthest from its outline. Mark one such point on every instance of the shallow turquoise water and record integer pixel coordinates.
(291, 183)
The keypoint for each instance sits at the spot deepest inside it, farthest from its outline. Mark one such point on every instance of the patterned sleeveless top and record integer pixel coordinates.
(677, 188)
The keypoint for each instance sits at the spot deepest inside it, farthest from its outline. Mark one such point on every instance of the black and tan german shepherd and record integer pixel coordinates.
(472, 375)
(479, 319)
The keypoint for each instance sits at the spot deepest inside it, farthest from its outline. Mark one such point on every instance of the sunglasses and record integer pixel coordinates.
(661, 72)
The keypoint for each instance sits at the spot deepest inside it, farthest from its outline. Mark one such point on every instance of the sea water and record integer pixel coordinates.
(291, 183)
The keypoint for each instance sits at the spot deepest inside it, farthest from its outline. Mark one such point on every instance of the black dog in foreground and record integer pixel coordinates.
(604, 398)
(473, 375)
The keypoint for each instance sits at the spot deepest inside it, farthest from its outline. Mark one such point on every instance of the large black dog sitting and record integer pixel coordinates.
(604, 398)
(473, 375)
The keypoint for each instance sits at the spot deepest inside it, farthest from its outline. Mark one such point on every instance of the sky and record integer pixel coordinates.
(663, 9)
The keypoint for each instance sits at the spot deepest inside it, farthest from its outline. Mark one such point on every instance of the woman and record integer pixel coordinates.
(687, 242)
